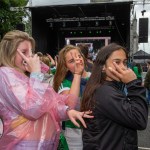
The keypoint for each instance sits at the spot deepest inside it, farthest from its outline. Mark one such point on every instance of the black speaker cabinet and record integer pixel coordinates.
(143, 30)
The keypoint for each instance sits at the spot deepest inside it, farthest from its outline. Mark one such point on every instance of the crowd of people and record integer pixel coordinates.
(69, 102)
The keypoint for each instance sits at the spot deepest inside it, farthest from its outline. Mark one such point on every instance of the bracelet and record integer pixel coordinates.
(78, 73)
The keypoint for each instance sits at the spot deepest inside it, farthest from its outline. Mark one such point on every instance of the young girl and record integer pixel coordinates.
(30, 110)
(70, 81)
(117, 116)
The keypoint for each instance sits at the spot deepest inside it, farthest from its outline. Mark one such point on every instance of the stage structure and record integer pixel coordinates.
(97, 23)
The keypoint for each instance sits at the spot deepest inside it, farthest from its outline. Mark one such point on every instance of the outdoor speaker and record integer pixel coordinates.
(143, 30)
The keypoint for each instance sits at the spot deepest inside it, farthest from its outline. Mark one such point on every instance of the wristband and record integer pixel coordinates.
(78, 73)
(37, 75)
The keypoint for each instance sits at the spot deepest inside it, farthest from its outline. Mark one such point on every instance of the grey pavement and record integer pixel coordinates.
(144, 136)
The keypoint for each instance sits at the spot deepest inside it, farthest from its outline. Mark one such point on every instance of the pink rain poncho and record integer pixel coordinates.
(31, 112)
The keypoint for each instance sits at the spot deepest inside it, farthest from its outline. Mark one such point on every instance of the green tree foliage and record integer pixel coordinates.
(18, 3)
(11, 14)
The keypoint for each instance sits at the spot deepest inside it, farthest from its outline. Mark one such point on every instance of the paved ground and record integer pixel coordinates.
(144, 136)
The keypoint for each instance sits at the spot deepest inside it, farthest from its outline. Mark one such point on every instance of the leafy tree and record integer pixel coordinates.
(11, 14)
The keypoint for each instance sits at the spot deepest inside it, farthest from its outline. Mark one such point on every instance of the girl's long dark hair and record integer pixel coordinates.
(98, 76)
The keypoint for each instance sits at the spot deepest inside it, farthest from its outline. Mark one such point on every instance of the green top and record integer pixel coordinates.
(66, 85)
(136, 71)
(53, 70)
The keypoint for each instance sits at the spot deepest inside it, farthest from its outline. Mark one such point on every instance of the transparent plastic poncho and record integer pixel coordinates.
(31, 112)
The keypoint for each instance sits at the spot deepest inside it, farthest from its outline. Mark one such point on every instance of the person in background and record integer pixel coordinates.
(147, 82)
(45, 61)
(49, 67)
(48, 76)
(31, 111)
(49, 61)
(85, 51)
(53, 64)
(69, 81)
(137, 68)
(117, 116)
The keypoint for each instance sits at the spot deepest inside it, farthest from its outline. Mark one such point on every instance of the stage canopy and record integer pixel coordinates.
(141, 55)
(52, 24)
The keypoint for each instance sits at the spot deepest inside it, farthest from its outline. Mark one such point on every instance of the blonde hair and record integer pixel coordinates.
(45, 60)
(9, 45)
(62, 70)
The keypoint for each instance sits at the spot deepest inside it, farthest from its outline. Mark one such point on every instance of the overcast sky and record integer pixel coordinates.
(138, 8)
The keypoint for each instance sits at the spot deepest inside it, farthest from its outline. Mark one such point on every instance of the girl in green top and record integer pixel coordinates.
(70, 78)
